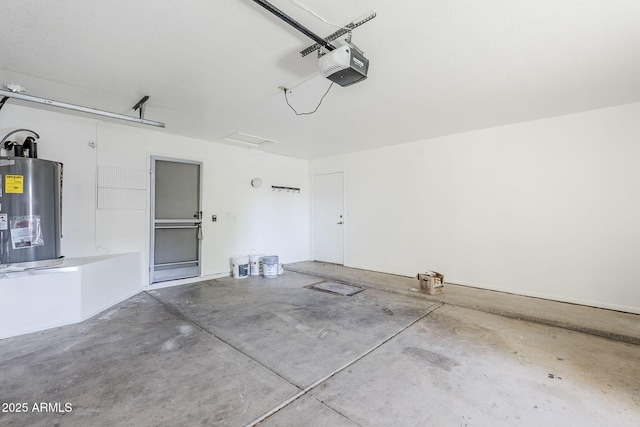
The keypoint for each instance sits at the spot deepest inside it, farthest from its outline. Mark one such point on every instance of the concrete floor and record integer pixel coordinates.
(271, 352)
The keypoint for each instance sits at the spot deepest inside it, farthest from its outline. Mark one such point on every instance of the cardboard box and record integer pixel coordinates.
(431, 282)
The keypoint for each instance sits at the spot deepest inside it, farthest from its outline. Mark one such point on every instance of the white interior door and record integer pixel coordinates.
(328, 218)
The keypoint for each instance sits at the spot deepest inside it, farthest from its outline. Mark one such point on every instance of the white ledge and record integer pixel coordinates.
(74, 290)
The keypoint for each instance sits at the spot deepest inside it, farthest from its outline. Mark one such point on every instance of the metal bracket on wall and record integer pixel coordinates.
(341, 32)
(140, 106)
(287, 189)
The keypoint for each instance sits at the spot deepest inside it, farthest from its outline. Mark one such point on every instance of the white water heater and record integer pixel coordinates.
(30, 212)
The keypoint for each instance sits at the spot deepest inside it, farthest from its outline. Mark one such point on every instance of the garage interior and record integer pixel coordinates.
(493, 143)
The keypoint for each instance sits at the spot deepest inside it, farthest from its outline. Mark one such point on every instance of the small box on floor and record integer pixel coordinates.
(431, 282)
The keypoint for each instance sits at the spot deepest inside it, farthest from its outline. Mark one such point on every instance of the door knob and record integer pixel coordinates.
(339, 222)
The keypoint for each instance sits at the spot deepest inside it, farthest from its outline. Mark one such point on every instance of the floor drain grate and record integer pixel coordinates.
(336, 288)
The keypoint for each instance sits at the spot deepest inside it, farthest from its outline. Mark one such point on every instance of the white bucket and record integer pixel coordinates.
(240, 267)
(255, 264)
(270, 266)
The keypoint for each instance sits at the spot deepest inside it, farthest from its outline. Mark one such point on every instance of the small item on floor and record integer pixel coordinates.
(431, 282)
(270, 266)
(240, 267)
(255, 261)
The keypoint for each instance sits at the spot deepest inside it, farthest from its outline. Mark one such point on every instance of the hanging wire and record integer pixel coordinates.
(309, 112)
(316, 15)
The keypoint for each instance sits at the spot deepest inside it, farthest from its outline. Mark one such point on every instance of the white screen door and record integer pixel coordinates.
(328, 218)
(176, 219)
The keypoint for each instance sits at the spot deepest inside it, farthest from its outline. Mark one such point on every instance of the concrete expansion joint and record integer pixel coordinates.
(180, 315)
(322, 402)
(202, 328)
(340, 369)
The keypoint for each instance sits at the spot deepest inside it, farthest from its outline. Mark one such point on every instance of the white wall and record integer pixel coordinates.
(548, 208)
(248, 218)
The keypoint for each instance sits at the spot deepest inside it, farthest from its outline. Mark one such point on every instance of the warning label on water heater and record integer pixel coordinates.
(26, 231)
(14, 184)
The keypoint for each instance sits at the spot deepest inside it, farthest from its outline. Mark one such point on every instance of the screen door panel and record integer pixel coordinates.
(177, 190)
(177, 226)
(176, 245)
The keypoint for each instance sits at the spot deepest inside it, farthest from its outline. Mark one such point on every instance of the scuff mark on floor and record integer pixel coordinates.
(434, 359)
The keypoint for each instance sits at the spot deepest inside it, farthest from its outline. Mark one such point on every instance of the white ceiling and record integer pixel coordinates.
(437, 67)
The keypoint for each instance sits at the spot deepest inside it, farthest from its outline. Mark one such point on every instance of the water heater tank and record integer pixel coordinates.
(30, 218)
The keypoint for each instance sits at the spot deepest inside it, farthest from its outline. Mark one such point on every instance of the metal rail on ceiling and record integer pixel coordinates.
(45, 101)
(295, 24)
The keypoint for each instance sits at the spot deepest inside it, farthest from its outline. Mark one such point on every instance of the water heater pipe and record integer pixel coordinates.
(16, 131)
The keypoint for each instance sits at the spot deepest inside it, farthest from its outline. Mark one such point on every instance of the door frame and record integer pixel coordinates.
(344, 213)
(152, 208)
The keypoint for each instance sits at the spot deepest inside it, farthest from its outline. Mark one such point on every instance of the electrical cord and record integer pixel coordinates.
(309, 112)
